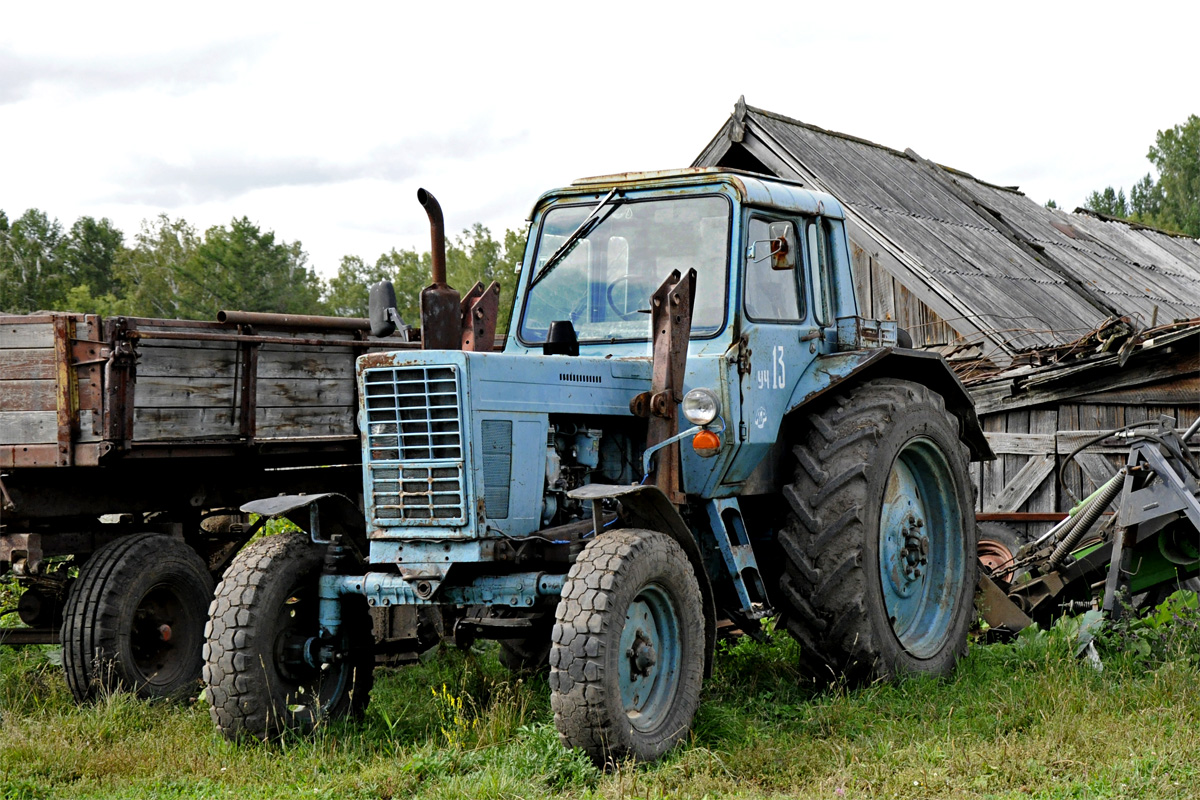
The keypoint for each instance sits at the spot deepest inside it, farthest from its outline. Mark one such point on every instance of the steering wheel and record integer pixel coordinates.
(622, 313)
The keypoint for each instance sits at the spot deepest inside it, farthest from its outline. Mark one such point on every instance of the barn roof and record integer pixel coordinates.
(992, 263)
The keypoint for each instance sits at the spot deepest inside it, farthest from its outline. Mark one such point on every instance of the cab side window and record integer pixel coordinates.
(820, 260)
(771, 295)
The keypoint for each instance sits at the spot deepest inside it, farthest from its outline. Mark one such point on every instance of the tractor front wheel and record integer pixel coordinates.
(627, 658)
(260, 678)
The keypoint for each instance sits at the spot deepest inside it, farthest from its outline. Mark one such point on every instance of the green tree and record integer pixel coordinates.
(91, 251)
(1176, 156)
(1051, 204)
(149, 275)
(1108, 202)
(241, 267)
(33, 275)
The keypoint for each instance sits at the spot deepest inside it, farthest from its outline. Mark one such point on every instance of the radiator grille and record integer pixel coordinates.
(415, 445)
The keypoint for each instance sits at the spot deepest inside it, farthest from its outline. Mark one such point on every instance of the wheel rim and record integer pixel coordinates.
(921, 554)
(164, 636)
(649, 657)
(995, 555)
(309, 691)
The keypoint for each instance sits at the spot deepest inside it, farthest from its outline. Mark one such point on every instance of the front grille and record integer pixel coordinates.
(415, 445)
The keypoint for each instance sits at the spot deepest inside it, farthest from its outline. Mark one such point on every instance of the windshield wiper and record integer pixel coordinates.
(577, 235)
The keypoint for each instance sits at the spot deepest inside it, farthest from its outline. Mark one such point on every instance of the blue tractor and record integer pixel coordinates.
(550, 495)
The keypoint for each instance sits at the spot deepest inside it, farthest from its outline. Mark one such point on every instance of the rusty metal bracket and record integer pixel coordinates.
(671, 327)
(247, 386)
(66, 395)
(480, 311)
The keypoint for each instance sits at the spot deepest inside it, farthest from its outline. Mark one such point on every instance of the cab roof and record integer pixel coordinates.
(753, 189)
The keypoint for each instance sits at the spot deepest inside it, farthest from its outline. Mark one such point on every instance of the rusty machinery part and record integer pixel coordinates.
(997, 547)
(305, 322)
(441, 306)
(480, 312)
(134, 619)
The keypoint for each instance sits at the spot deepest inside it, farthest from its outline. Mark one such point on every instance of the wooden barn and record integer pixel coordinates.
(1062, 325)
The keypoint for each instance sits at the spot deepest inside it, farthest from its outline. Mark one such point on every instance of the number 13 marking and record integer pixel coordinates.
(778, 371)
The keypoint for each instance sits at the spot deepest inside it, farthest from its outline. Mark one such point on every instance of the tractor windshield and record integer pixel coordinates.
(603, 285)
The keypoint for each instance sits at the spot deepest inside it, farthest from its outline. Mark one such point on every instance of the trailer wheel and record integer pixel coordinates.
(134, 619)
(525, 656)
(264, 612)
(627, 658)
(880, 543)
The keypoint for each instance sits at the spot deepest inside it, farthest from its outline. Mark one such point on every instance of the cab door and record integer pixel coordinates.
(780, 334)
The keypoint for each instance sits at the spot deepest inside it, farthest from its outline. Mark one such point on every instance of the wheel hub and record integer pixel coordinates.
(915, 553)
(642, 655)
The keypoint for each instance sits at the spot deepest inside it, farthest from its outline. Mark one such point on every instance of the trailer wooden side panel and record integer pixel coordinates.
(50, 388)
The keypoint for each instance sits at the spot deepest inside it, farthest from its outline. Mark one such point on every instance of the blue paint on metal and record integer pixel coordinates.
(517, 590)
(648, 659)
(725, 519)
(922, 554)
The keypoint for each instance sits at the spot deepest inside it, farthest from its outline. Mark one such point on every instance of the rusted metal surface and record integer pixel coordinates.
(66, 395)
(308, 322)
(441, 306)
(671, 321)
(480, 310)
(248, 388)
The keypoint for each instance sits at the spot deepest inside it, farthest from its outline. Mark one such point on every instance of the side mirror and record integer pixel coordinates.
(383, 314)
(783, 245)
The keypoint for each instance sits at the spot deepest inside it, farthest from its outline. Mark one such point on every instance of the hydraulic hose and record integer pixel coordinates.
(1086, 517)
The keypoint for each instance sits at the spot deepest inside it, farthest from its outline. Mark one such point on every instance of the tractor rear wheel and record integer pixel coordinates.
(628, 648)
(260, 680)
(134, 619)
(880, 542)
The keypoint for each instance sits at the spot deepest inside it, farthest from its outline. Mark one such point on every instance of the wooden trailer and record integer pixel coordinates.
(128, 444)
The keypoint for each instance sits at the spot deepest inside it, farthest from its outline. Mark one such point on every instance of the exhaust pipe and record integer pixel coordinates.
(441, 314)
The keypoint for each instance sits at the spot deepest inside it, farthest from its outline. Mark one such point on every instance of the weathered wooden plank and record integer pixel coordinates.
(187, 391)
(29, 395)
(1096, 468)
(29, 427)
(36, 335)
(31, 365)
(302, 392)
(275, 423)
(169, 362)
(181, 424)
(1027, 444)
(274, 363)
(1045, 498)
(1017, 491)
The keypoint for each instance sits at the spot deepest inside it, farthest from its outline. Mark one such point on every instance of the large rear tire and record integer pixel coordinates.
(880, 543)
(627, 658)
(264, 612)
(134, 619)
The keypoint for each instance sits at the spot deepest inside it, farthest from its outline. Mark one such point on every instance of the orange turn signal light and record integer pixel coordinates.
(706, 444)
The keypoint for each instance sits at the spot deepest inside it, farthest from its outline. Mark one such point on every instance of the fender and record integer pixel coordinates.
(334, 514)
(647, 507)
(929, 369)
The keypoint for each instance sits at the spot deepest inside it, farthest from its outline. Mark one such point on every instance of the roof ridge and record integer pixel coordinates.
(1137, 226)
(859, 140)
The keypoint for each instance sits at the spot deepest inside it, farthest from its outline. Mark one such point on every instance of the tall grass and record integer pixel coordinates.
(1026, 719)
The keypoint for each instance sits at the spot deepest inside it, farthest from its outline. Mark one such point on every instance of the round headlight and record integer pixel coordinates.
(701, 406)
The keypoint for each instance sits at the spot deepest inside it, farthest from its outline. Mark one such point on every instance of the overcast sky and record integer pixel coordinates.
(320, 121)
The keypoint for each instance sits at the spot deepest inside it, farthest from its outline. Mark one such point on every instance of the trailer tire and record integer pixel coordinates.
(262, 614)
(529, 656)
(868, 590)
(627, 659)
(134, 619)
